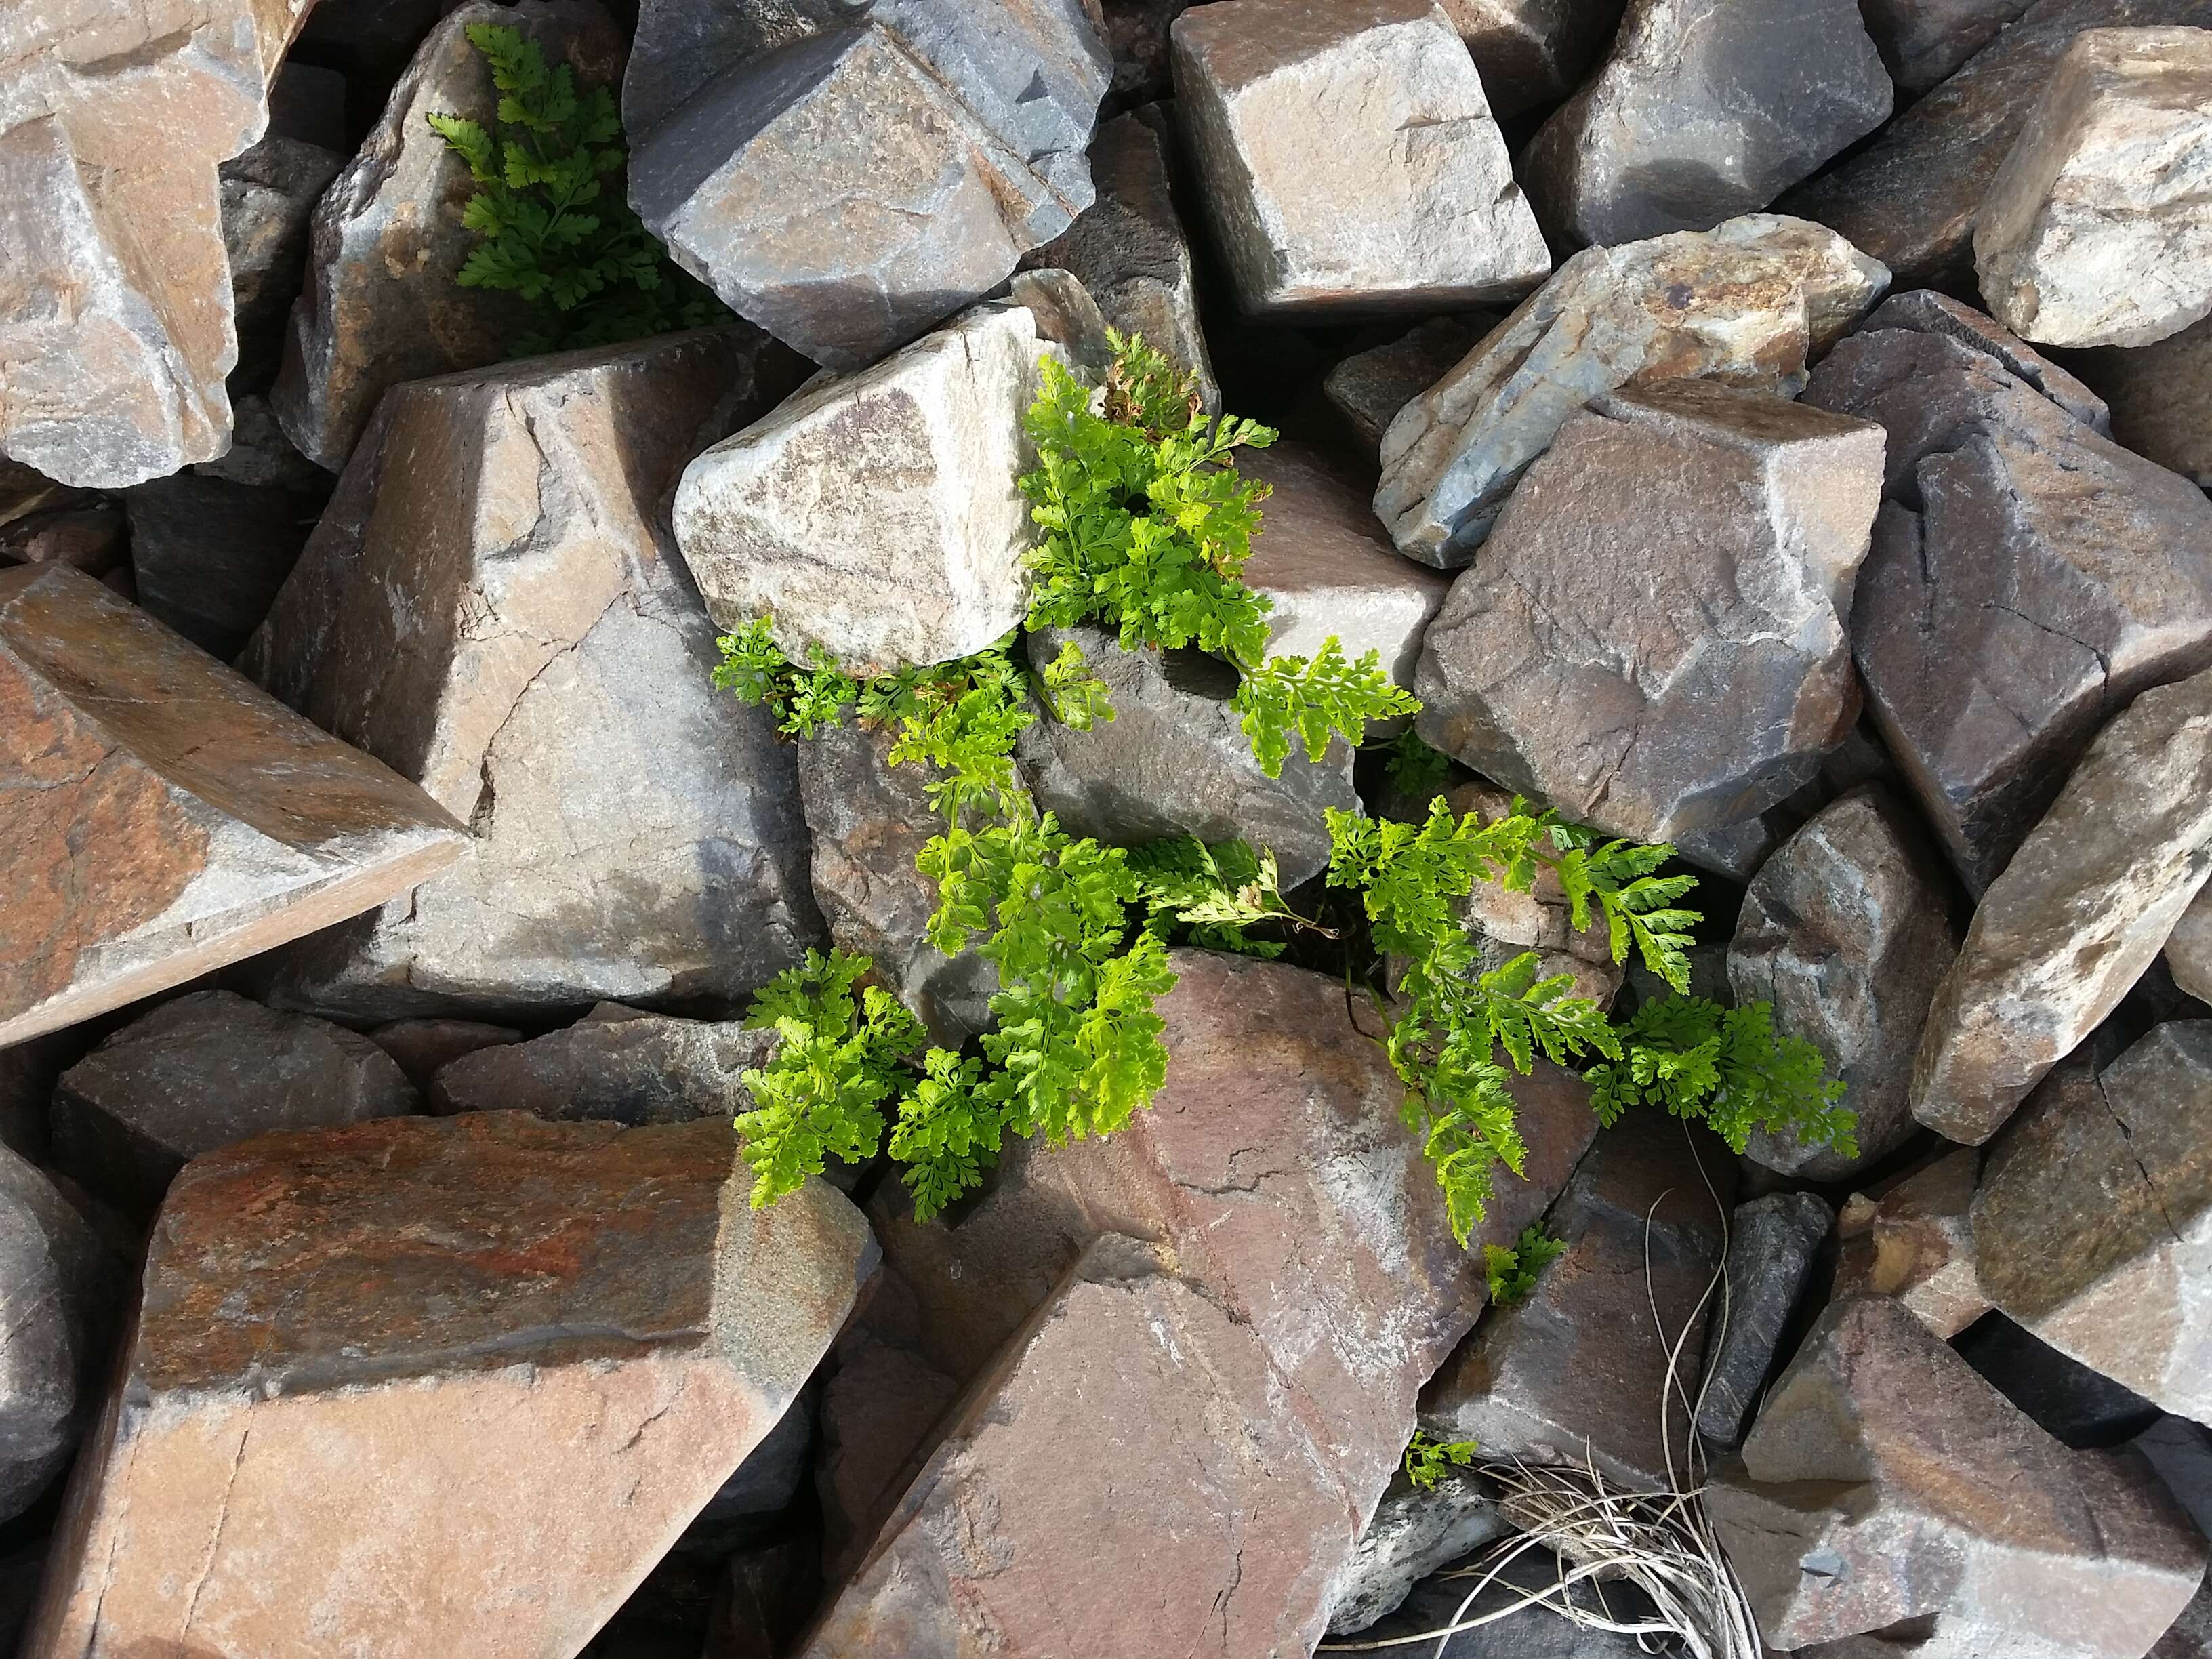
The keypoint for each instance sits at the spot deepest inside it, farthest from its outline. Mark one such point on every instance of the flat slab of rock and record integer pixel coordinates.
(1653, 641)
(2161, 398)
(1348, 159)
(1912, 1240)
(218, 823)
(2081, 910)
(552, 1342)
(1774, 1245)
(616, 1064)
(491, 604)
(2095, 230)
(1747, 303)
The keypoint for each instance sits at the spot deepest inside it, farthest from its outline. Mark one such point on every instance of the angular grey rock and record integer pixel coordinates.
(381, 304)
(1653, 640)
(1913, 1242)
(1702, 113)
(1926, 312)
(2189, 950)
(1174, 760)
(2081, 911)
(1887, 1485)
(1774, 1244)
(876, 515)
(492, 604)
(269, 195)
(2093, 1217)
(1748, 302)
(616, 1063)
(1348, 159)
(206, 1070)
(1370, 387)
(208, 555)
(423, 1046)
(2095, 230)
(1533, 53)
(1845, 931)
(2028, 578)
(1411, 1534)
(2161, 398)
(1921, 41)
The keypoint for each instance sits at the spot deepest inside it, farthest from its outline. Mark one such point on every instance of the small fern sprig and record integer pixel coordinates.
(1512, 1270)
(1428, 1460)
(1727, 1067)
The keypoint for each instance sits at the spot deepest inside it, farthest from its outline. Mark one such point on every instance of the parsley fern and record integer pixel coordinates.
(1512, 1270)
(1428, 1460)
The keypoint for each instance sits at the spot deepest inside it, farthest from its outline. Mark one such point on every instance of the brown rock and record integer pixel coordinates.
(1912, 1240)
(169, 817)
(1370, 387)
(1533, 53)
(2161, 398)
(91, 536)
(615, 1063)
(208, 556)
(422, 1046)
(551, 1342)
(2189, 950)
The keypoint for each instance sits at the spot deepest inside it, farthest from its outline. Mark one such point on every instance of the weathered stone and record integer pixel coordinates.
(876, 515)
(491, 604)
(1913, 1242)
(1909, 197)
(1926, 312)
(1411, 1534)
(115, 324)
(260, 454)
(552, 1342)
(208, 555)
(269, 195)
(2095, 230)
(166, 816)
(1921, 41)
(2071, 1403)
(423, 1046)
(1885, 1482)
(1370, 387)
(208, 1070)
(1504, 924)
(1653, 640)
(1845, 931)
(1747, 303)
(1774, 1244)
(615, 1063)
(381, 304)
(2189, 950)
(2092, 1223)
(92, 536)
(2028, 578)
(1175, 760)
(2077, 915)
(2161, 398)
(1702, 114)
(1348, 159)
(1576, 1369)
(1533, 53)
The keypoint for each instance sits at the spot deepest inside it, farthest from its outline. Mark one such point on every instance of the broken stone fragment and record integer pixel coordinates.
(168, 816)
(615, 1063)
(1653, 641)
(1887, 1485)
(1348, 159)
(1912, 1240)
(2189, 950)
(1533, 53)
(1503, 924)
(2095, 230)
(491, 604)
(2094, 1217)
(2081, 911)
(1701, 113)
(1774, 1245)
(1370, 387)
(2161, 398)
(208, 556)
(2028, 577)
(876, 516)
(1924, 311)
(1747, 303)
(269, 195)
(553, 1342)
(1411, 1534)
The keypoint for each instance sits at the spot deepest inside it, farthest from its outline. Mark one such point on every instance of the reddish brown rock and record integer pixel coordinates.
(549, 1343)
(167, 818)
(1912, 1240)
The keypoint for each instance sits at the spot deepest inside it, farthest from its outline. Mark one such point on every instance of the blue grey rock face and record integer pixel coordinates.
(1774, 1243)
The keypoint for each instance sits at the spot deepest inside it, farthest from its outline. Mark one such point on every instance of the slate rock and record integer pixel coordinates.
(2028, 578)
(2077, 915)
(1654, 639)
(1886, 1482)
(2092, 1218)
(492, 604)
(1370, 386)
(218, 824)
(615, 1063)
(2071, 1403)
(1702, 113)
(1747, 303)
(876, 515)
(208, 1070)
(208, 556)
(1774, 1246)
(1411, 1534)
(1913, 1240)
(2096, 231)
(2189, 950)
(1347, 158)
(1921, 41)
(1926, 312)
(269, 196)
(552, 1341)
(1532, 53)
(424, 1045)
(1845, 931)
(1175, 761)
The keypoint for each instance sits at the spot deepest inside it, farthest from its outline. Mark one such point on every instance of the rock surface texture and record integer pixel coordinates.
(616, 1064)
(1653, 640)
(171, 817)
(2189, 950)
(2098, 228)
(1348, 159)
(1370, 386)
(1774, 1246)
(490, 606)
(269, 196)
(2161, 398)
(1921, 41)
(1533, 54)
(552, 1342)
(1747, 303)
(1914, 1243)
(208, 556)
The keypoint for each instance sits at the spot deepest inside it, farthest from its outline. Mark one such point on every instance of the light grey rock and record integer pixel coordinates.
(1533, 53)
(1348, 159)
(1653, 641)
(1921, 41)
(876, 515)
(1175, 761)
(1774, 1244)
(208, 555)
(1913, 1242)
(2161, 398)
(492, 605)
(1748, 302)
(269, 195)
(2093, 1223)
(615, 1063)
(2097, 229)
(1702, 111)
(1370, 387)
(2189, 950)
(2028, 578)
(1411, 1534)
(1845, 931)
(2081, 911)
